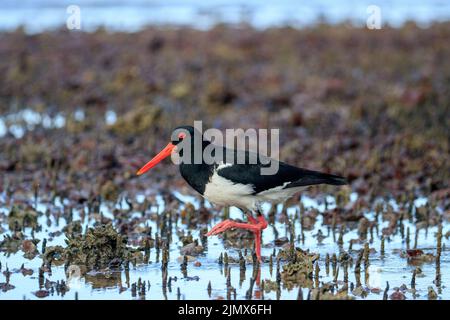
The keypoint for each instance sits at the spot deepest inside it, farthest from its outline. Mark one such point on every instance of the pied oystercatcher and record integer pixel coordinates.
(240, 185)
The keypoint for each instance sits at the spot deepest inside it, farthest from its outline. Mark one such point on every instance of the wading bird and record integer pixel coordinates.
(235, 183)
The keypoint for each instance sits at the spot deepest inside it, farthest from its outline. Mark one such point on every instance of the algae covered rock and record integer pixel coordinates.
(109, 191)
(29, 248)
(192, 249)
(11, 243)
(417, 256)
(299, 270)
(73, 228)
(98, 248)
(432, 295)
(297, 254)
(297, 273)
(54, 255)
(327, 292)
(270, 285)
(22, 217)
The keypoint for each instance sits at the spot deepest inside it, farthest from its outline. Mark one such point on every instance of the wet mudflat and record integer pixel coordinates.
(371, 254)
(81, 112)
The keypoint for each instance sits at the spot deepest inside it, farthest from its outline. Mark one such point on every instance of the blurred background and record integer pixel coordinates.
(132, 15)
(95, 103)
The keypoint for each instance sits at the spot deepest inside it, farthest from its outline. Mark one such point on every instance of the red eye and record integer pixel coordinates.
(182, 135)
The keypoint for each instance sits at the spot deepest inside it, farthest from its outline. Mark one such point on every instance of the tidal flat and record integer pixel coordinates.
(81, 112)
(309, 252)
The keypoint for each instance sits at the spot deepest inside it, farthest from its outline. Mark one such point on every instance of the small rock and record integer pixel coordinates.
(397, 295)
(28, 246)
(41, 293)
(281, 241)
(375, 290)
(192, 249)
(432, 295)
(6, 286)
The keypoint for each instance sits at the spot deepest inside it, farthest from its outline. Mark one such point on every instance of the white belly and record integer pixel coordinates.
(224, 192)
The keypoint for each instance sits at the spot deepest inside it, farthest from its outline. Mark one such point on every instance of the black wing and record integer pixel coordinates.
(286, 174)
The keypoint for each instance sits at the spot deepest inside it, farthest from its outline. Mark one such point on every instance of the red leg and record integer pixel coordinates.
(255, 225)
(251, 219)
(258, 244)
(258, 291)
(262, 223)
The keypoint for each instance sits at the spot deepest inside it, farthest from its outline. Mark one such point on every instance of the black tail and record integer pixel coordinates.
(314, 177)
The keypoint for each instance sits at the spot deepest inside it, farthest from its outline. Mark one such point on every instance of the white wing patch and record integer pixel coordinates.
(276, 189)
(223, 165)
(277, 194)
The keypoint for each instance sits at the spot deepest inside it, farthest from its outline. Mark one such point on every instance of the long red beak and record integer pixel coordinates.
(158, 158)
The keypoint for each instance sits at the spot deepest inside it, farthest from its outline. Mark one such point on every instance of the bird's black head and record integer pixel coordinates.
(179, 134)
(183, 132)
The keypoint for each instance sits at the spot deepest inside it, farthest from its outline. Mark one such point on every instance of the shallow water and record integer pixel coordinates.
(117, 284)
(26, 120)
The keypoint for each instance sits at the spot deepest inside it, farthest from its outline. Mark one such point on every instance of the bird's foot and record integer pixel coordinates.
(255, 225)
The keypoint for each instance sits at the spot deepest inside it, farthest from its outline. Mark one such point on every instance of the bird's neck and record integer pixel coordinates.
(196, 172)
